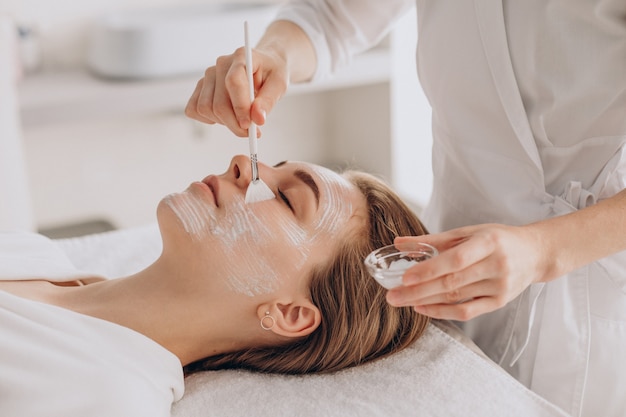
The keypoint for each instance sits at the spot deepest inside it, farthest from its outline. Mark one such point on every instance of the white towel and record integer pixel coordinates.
(436, 376)
(439, 375)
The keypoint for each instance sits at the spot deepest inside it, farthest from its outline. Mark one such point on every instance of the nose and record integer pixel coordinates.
(240, 170)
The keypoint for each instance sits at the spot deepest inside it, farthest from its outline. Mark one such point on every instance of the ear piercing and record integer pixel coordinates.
(267, 322)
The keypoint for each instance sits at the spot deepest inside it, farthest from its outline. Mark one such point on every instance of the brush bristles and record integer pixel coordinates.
(258, 191)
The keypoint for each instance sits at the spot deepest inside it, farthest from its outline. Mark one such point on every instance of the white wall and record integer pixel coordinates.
(118, 171)
(63, 24)
(410, 119)
(15, 207)
(118, 168)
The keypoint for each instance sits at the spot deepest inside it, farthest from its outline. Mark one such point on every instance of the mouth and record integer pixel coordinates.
(213, 184)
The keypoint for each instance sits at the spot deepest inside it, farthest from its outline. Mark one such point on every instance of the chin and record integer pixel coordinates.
(167, 219)
(183, 216)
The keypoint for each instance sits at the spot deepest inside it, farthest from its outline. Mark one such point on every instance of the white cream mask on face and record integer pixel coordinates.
(246, 236)
(335, 208)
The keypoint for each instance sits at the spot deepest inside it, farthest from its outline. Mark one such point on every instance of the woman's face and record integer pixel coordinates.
(259, 248)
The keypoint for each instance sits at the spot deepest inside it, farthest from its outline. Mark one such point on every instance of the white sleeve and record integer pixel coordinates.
(342, 28)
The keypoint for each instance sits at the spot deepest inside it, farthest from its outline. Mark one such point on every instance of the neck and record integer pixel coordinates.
(168, 308)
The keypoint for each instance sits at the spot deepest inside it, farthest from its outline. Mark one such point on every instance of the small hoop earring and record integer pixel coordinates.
(267, 317)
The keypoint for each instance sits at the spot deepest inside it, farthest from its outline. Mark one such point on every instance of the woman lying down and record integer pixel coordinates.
(274, 286)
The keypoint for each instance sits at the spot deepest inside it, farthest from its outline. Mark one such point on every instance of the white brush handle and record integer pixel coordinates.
(252, 129)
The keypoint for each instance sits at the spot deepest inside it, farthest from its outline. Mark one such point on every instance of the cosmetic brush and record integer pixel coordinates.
(257, 190)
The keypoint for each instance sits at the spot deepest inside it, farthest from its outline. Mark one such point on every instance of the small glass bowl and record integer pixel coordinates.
(388, 264)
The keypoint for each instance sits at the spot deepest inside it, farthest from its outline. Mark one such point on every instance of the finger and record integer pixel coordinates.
(204, 102)
(484, 288)
(447, 287)
(442, 241)
(221, 101)
(257, 113)
(190, 109)
(471, 251)
(237, 88)
(461, 312)
(272, 89)
(192, 104)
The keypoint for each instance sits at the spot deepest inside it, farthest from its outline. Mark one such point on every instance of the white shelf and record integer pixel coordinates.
(51, 98)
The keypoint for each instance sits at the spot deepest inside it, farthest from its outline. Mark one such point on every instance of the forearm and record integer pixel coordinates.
(578, 238)
(289, 41)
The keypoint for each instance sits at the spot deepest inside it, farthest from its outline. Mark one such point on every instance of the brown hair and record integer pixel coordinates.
(358, 325)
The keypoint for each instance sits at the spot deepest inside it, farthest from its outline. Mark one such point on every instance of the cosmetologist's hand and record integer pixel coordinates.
(479, 269)
(222, 95)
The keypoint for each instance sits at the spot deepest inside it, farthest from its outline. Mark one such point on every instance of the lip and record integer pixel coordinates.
(204, 189)
(212, 183)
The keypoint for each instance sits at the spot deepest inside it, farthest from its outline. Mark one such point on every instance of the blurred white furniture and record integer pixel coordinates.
(170, 41)
(15, 205)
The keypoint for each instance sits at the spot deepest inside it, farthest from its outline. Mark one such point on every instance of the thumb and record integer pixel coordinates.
(257, 113)
(411, 243)
(442, 241)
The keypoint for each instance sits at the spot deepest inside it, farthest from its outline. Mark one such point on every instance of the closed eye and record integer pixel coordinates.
(285, 199)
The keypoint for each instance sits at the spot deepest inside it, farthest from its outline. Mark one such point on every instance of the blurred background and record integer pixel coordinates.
(92, 129)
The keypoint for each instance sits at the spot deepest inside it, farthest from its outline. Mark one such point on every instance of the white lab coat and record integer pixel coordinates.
(529, 122)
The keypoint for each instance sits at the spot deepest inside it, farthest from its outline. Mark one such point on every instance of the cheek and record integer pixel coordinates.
(261, 272)
(252, 249)
(260, 249)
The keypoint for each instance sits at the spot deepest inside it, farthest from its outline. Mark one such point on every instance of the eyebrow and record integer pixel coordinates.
(307, 179)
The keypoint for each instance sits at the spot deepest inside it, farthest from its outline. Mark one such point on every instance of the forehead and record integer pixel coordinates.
(324, 176)
(340, 200)
(334, 190)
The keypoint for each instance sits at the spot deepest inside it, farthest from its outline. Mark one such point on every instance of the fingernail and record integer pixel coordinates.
(264, 114)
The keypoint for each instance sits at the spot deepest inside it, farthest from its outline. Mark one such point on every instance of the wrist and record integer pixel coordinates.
(548, 264)
(287, 42)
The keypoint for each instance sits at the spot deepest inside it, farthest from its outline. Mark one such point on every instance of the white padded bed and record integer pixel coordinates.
(442, 374)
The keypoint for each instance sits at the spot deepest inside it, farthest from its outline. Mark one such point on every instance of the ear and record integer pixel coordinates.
(295, 319)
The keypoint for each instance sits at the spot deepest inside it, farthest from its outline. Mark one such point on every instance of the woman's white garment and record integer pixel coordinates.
(58, 363)
(529, 122)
